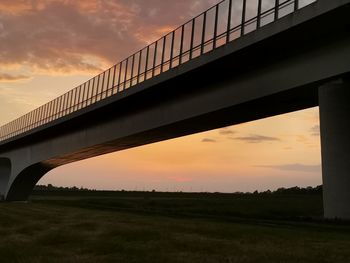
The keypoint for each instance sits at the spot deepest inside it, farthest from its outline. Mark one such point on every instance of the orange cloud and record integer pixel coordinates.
(14, 7)
(70, 37)
(12, 78)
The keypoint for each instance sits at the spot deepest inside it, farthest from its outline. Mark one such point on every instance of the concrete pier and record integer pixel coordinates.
(334, 103)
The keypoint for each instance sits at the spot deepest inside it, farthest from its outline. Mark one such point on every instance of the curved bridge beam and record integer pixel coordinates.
(24, 182)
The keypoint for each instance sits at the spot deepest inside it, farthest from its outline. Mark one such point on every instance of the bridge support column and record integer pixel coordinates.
(334, 102)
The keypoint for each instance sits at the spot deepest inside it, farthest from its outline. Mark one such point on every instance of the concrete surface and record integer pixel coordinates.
(334, 107)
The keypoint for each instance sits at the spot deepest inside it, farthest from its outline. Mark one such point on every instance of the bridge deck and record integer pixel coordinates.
(203, 39)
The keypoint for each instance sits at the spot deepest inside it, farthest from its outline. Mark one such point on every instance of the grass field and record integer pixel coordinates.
(163, 227)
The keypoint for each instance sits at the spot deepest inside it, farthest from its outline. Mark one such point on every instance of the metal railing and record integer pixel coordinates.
(220, 24)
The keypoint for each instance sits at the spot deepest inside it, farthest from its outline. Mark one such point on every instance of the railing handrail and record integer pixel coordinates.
(100, 86)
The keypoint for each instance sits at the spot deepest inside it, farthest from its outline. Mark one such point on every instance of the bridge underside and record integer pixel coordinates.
(277, 69)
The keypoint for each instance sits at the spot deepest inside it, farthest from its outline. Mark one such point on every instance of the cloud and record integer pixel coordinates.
(11, 78)
(70, 37)
(295, 167)
(256, 138)
(58, 37)
(226, 131)
(208, 140)
(315, 130)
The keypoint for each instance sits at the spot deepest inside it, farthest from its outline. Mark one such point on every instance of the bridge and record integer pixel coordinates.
(231, 64)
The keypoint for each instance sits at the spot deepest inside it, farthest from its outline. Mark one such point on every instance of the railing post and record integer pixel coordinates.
(229, 21)
(73, 98)
(93, 90)
(243, 16)
(77, 101)
(108, 79)
(119, 76)
(20, 124)
(15, 125)
(48, 115)
(67, 103)
(53, 112)
(258, 18)
(29, 120)
(192, 38)
(155, 58)
(37, 123)
(47, 110)
(139, 67)
(172, 50)
(216, 25)
(163, 54)
(63, 107)
(40, 115)
(146, 64)
(113, 79)
(102, 85)
(32, 119)
(45, 113)
(83, 96)
(56, 108)
(5, 132)
(70, 101)
(37, 117)
(126, 72)
(87, 94)
(97, 87)
(181, 43)
(277, 3)
(24, 124)
(132, 69)
(296, 5)
(203, 32)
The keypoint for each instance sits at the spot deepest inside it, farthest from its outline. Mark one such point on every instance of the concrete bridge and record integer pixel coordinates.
(231, 64)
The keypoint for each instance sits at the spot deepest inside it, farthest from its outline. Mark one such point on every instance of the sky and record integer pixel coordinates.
(48, 47)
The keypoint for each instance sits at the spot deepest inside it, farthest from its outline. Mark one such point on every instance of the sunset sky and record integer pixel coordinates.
(47, 47)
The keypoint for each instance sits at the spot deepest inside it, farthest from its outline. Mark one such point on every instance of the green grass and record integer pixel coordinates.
(158, 227)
